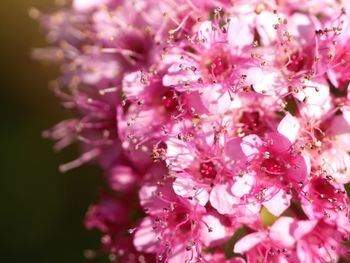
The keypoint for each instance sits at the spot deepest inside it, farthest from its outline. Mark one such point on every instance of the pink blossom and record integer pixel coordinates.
(212, 121)
(291, 240)
(175, 229)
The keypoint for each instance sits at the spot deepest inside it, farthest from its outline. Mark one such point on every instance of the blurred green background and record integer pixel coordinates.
(41, 211)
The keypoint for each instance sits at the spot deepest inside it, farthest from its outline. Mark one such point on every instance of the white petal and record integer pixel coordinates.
(289, 127)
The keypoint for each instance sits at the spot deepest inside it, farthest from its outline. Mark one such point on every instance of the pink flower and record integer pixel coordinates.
(220, 115)
(292, 240)
(262, 247)
(122, 178)
(276, 166)
(196, 165)
(324, 199)
(107, 216)
(175, 229)
(190, 70)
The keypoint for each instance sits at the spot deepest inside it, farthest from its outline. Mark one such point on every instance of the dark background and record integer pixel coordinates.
(41, 210)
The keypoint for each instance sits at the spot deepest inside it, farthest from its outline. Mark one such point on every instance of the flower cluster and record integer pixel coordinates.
(222, 126)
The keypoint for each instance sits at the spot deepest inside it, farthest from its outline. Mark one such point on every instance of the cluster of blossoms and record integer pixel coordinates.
(222, 126)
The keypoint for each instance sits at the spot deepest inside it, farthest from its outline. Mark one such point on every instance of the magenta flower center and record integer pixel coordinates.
(207, 169)
(218, 66)
(180, 221)
(170, 101)
(323, 187)
(297, 62)
(250, 120)
(272, 165)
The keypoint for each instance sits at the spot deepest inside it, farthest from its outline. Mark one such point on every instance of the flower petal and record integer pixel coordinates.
(186, 187)
(248, 242)
(289, 127)
(280, 231)
(279, 201)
